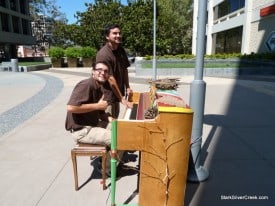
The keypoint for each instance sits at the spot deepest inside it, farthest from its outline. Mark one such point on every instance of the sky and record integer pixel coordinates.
(71, 7)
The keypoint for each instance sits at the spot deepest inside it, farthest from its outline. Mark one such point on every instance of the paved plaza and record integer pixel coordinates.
(36, 168)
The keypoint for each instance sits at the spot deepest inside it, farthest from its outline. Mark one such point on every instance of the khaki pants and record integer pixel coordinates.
(97, 135)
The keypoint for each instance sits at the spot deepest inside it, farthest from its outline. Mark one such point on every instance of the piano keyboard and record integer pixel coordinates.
(141, 103)
(131, 113)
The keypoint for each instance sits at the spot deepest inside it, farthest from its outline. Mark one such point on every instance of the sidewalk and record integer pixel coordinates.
(36, 169)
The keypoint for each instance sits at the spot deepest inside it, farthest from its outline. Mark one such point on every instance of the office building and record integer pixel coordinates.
(238, 26)
(15, 27)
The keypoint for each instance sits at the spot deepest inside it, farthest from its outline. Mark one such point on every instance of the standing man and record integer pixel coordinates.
(114, 55)
(86, 110)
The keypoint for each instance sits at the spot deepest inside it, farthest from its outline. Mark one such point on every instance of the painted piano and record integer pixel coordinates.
(159, 126)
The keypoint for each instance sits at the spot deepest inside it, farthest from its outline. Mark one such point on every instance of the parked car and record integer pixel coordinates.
(131, 58)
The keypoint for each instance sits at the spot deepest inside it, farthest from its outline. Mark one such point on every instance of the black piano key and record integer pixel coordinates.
(133, 114)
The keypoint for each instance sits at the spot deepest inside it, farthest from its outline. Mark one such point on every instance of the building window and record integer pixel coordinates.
(15, 24)
(13, 5)
(229, 41)
(25, 26)
(227, 7)
(23, 6)
(3, 3)
(5, 22)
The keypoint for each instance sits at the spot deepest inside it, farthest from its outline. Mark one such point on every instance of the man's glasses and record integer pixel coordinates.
(105, 71)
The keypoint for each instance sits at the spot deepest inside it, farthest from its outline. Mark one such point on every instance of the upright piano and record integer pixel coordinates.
(163, 142)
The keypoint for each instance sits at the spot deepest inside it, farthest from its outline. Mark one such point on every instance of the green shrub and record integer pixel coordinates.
(56, 52)
(148, 57)
(73, 52)
(185, 56)
(259, 56)
(252, 56)
(87, 52)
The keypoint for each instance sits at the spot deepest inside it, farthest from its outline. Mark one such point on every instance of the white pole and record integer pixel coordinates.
(154, 43)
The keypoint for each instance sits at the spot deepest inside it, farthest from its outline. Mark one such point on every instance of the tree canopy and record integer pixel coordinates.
(174, 25)
(46, 16)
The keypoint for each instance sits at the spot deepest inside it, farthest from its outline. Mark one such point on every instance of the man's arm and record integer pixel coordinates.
(84, 108)
(129, 91)
(113, 83)
(114, 86)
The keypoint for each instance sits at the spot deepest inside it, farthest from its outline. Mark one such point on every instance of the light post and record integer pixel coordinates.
(196, 172)
(154, 42)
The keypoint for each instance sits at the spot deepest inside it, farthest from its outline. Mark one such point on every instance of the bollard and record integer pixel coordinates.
(14, 65)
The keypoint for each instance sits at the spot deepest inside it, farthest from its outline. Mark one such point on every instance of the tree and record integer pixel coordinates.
(45, 17)
(61, 35)
(135, 20)
(138, 27)
(174, 26)
(92, 21)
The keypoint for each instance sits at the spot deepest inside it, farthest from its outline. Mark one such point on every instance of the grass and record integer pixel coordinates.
(32, 63)
(165, 65)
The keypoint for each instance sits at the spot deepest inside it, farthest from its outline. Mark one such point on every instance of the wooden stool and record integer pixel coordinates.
(82, 149)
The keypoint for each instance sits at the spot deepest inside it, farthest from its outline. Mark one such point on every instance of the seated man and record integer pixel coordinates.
(86, 111)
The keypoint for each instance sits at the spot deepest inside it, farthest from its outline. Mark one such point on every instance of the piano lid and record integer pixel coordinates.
(170, 98)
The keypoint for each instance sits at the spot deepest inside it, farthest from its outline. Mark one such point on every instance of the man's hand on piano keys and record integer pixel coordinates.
(129, 92)
(128, 97)
(126, 103)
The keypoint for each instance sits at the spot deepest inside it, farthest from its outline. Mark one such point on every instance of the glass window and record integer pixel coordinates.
(25, 26)
(5, 22)
(23, 6)
(15, 24)
(229, 41)
(228, 6)
(3, 3)
(13, 5)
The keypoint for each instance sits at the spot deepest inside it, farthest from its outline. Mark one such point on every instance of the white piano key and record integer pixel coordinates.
(127, 114)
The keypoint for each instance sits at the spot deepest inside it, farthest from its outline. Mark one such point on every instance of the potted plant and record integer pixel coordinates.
(72, 54)
(88, 56)
(56, 54)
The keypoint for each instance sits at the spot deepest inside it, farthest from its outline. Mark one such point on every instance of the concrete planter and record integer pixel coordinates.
(72, 62)
(57, 62)
(87, 61)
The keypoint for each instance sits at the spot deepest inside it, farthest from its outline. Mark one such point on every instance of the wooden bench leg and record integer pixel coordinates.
(89, 152)
(73, 155)
(103, 166)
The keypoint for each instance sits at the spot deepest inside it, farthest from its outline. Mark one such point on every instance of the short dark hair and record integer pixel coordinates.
(101, 62)
(108, 28)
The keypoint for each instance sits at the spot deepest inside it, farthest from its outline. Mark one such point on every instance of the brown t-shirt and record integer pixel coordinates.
(118, 61)
(86, 91)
